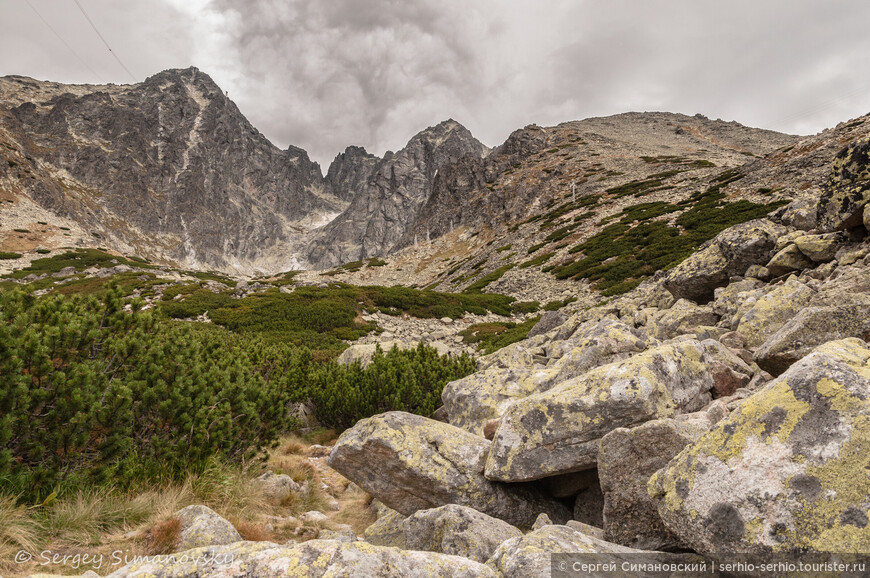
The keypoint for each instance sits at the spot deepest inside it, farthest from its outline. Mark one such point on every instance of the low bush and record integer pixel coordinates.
(409, 381)
(625, 253)
(91, 394)
(490, 337)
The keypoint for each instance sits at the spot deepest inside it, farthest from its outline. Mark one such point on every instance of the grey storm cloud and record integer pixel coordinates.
(324, 74)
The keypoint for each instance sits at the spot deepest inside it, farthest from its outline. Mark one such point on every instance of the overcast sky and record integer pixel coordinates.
(324, 74)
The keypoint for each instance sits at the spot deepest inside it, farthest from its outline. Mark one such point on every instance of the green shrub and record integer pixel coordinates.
(625, 253)
(482, 283)
(322, 318)
(91, 394)
(539, 260)
(525, 307)
(21, 230)
(80, 259)
(409, 381)
(556, 305)
(490, 337)
(7, 255)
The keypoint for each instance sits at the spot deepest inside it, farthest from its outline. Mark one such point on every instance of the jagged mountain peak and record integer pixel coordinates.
(387, 193)
(168, 168)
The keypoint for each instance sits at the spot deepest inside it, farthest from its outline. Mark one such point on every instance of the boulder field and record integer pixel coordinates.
(722, 406)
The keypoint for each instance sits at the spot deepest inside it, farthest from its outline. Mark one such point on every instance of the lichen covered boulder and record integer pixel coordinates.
(730, 253)
(457, 530)
(802, 213)
(627, 458)
(820, 248)
(786, 471)
(530, 555)
(277, 487)
(772, 311)
(519, 355)
(808, 329)
(789, 259)
(474, 400)
(549, 320)
(412, 463)
(848, 191)
(684, 317)
(311, 559)
(593, 345)
(557, 431)
(387, 530)
(202, 526)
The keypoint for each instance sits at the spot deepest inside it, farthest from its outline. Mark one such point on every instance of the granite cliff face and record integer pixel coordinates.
(168, 169)
(388, 192)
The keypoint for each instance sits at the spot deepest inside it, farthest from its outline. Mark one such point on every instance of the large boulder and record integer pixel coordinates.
(772, 311)
(311, 559)
(532, 555)
(457, 530)
(820, 248)
(729, 254)
(480, 397)
(684, 317)
(593, 345)
(277, 488)
(557, 431)
(847, 286)
(802, 213)
(728, 299)
(202, 526)
(810, 328)
(387, 530)
(411, 463)
(627, 459)
(474, 400)
(521, 355)
(789, 259)
(848, 191)
(549, 320)
(786, 471)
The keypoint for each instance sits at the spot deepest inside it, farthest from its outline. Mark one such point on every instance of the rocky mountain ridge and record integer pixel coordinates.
(170, 170)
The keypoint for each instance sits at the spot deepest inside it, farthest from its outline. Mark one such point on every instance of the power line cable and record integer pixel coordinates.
(91, 22)
(65, 43)
(825, 106)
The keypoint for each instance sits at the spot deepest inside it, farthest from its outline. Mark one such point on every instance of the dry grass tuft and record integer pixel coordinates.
(254, 532)
(296, 466)
(162, 538)
(356, 510)
(291, 445)
(18, 531)
(79, 520)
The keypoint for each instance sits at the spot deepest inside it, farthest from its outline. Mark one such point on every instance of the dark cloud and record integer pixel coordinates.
(326, 74)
